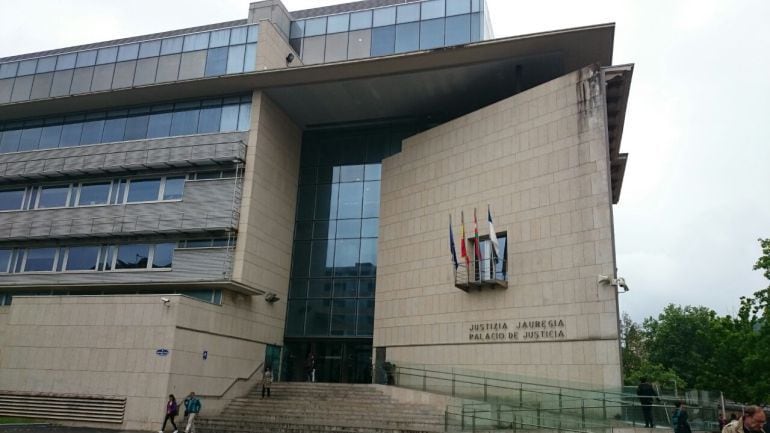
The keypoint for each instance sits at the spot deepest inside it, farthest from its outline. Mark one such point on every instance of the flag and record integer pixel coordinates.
(463, 250)
(476, 237)
(452, 244)
(505, 258)
(492, 234)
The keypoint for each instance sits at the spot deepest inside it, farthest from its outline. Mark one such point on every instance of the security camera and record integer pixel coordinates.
(289, 58)
(271, 297)
(621, 282)
(165, 301)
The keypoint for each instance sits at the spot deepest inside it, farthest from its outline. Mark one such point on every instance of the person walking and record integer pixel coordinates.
(192, 407)
(646, 393)
(267, 380)
(679, 419)
(172, 410)
(752, 421)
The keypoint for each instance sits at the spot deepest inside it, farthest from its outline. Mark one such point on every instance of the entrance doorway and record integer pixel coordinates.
(348, 361)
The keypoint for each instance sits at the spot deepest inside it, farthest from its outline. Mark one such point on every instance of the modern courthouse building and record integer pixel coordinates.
(178, 210)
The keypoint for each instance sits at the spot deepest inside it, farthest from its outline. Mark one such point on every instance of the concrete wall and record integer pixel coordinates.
(106, 345)
(273, 49)
(540, 160)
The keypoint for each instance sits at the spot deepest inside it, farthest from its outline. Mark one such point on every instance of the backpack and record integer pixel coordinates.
(675, 418)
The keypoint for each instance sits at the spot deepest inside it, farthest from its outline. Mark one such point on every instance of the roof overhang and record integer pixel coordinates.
(483, 71)
(107, 288)
(617, 80)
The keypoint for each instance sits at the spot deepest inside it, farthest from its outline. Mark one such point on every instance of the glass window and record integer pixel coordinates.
(46, 64)
(219, 38)
(253, 34)
(27, 67)
(92, 132)
(458, 30)
(244, 117)
(372, 171)
(407, 37)
(359, 44)
(297, 287)
(368, 258)
(11, 199)
(384, 17)
(300, 263)
(343, 317)
(296, 311)
(163, 256)
(320, 289)
(209, 120)
(8, 70)
(345, 288)
(315, 26)
(313, 50)
(30, 139)
(336, 47)
(94, 193)
(432, 9)
(10, 141)
(136, 127)
(159, 124)
(321, 259)
(216, 61)
(304, 230)
(408, 13)
(53, 196)
(235, 59)
(318, 317)
(458, 7)
(171, 45)
(149, 49)
(346, 257)
(128, 52)
(324, 229)
(383, 40)
(174, 188)
(133, 256)
(365, 316)
(66, 61)
(297, 29)
(140, 190)
(338, 23)
(5, 259)
(475, 27)
(238, 36)
(250, 58)
(107, 55)
(348, 228)
(352, 173)
(50, 136)
(371, 199)
(431, 34)
(86, 58)
(82, 258)
(70, 134)
(326, 202)
(366, 287)
(114, 130)
(351, 199)
(370, 227)
(360, 20)
(296, 44)
(40, 260)
(197, 41)
(184, 121)
(475, 5)
(229, 121)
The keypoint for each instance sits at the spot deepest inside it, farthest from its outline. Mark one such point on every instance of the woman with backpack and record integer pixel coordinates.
(679, 419)
(172, 410)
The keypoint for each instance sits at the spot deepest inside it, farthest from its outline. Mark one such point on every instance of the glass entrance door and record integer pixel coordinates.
(333, 361)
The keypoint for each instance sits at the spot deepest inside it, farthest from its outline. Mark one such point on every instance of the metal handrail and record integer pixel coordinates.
(479, 271)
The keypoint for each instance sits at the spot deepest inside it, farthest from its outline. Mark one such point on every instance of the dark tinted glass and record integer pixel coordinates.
(383, 40)
(366, 288)
(297, 288)
(301, 259)
(318, 317)
(143, 190)
(53, 196)
(136, 128)
(94, 193)
(30, 139)
(164, 254)
(132, 256)
(11, 199)
(216, 61)
(320, 289)
(82, 258)
(343, 317)
(305, 203)
(114, 130)
(10, 141)
(368, 257)
(185, 122)
(159, 125)
(346, 257)
(304, 230)
(5, 259)
(92, 132)
(326, 202)
(50, 136)
(295, 323)
(345, 287)
(70, 134)
(365, 317)
(210, 119)
(40, 259)
(321, 258)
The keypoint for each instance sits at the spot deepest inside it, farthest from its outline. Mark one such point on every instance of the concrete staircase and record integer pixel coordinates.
(323, 407)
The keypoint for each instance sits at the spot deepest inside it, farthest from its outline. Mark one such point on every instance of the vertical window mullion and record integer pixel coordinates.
(77, 187)
(150, 255)
(161, 188)
(65, 258)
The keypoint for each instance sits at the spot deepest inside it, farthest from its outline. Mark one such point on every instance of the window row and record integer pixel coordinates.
(96, 193)
(213, 296)
(330, 317)
(339, 173)
(391, 39)
(168, 120)
(328, 288)
(132, 51)
(87, 258)
(337, 229)
(386, 16)
(206, 243)
(340, 258)
(339, 151)
(339, 201)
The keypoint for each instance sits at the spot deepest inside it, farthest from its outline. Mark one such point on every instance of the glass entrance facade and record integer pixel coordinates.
(334, 264)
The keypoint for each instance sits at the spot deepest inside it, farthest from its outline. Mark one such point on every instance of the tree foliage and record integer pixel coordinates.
(700, 349)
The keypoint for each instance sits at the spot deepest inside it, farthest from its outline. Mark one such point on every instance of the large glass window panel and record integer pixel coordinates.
(345, 287)
(124, 74)
(250, 58)
(432, 9)
(216, 61)
(297, 288)
(194, 42)
(295, 314)
(11, 199)
(328, 174)
(360, 20)
(53, 196)
(370, 227)
(253, 34)
(431, 34)
(114, 130)
(140, 190)
(46, 64)
(348, 228)
(210, 118)
(184, 121)
(192, 65)
(366, 287)
(371, 200)
(320, 289)
(368, 257)
(346, 253)
(134, 256)
(318, 317)
(128, 52)
(343, 317)
(300, 266)
(321, 258)
(66, 61)
(384, 17)
(41, 85)
(107, 55)
(168, 68)
(50, 136)
(352, 173)
(81, 80)
(350, 200)
(338, 23)
(27, 67)
(315, 26)
(476, 5)
(149, 49)
(5, 259)
(238, 36)
(86, 58)
(303, 230)
(10, 141)
(94, 193)
(235, 56)
(408, 13)
(102, 77)
(163, 256)
(244, 116)
(365, 317)
(136, 127)
(159, 124)
(313, 50)
(30, 138)
(458, 7)
(8, 70)
(336, 47)
(92, 132)
(174, 188)
(372, 171)
(219, 38)
(475, 27)
(171, 45)
(326, 201)
(40, 260)
(296, 44)
(297, 29)
(458, 30)
(229, 120)
(407, 37)
(145, 71)
(383, 40)
(82, 258)
(359, 44)
(324, 229)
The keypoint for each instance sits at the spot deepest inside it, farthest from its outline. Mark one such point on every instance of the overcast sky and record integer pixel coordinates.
(696, 193)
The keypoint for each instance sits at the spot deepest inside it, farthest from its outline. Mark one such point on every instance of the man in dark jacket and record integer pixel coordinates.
(646, 393)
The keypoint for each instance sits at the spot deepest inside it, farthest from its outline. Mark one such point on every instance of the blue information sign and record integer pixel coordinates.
(205, 354)
(161, 352)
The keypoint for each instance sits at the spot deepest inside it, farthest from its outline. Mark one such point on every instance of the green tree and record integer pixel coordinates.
(632, 345)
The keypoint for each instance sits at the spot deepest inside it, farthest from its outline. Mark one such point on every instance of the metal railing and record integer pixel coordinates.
(481, 272)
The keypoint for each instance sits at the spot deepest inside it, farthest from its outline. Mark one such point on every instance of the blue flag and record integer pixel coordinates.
(452, 244)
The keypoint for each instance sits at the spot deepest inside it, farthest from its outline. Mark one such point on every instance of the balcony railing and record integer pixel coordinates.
(478, 274)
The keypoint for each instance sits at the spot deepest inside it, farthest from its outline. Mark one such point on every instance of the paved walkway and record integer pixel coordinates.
(44, 428)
